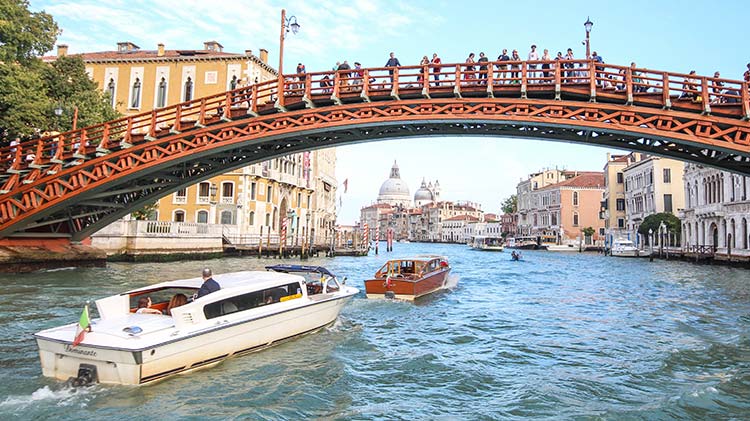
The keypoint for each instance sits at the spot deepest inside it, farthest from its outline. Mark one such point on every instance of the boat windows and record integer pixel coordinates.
(407, 267)
(252, 300)
(160, 298)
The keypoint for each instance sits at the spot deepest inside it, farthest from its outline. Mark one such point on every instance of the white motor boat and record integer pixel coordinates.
(481, 242)
(624, 248)
(251, 311)
(561, 247)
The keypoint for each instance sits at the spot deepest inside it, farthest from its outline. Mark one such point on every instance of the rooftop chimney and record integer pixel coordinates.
(248, 52)
(160, 51)
(264, 55)
(62, 50)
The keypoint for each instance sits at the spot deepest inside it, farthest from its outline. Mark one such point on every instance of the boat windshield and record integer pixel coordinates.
(160, 297)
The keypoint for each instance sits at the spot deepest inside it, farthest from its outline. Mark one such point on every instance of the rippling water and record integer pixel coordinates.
(553, 336)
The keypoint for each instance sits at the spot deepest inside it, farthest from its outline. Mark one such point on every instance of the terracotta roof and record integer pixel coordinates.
(583, 179)
(377, 205)
(619, 158)
(490, 217)
(462, 218)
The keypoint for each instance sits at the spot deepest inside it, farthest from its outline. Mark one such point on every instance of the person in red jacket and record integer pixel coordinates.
(436, 68)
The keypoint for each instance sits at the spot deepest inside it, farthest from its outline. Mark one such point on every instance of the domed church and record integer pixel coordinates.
(427, 193)
(394, 190)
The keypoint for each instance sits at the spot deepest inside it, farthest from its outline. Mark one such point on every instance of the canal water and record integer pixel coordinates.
(559, 336)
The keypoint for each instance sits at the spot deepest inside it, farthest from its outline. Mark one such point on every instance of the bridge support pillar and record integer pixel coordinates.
(29, 254)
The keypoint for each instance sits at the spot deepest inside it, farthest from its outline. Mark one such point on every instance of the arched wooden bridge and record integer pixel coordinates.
(77, 182)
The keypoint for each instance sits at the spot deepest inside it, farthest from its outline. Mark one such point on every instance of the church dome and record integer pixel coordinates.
(394, 190)
(423, 194)
(394, 187)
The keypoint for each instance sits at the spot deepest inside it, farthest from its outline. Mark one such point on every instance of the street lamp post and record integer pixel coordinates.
(588, 25)
(212, 190)
(59, 112)
(287, 24)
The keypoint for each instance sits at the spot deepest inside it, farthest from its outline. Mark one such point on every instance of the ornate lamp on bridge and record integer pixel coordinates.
(59, 110)
(588, 25)
(287, 24)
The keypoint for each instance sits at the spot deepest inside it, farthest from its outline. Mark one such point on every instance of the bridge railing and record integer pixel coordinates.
(48, 155)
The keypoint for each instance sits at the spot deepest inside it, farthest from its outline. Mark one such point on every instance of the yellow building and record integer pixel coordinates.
(613, 202)
(250, 201)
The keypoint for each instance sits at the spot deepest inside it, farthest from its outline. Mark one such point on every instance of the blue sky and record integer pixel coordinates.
(664, 35)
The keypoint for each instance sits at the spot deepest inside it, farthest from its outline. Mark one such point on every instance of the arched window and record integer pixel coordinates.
(111, 87)
(227, 217)
(161, 93)
(268, 219)
(575, 198)
(575, 219)
(251, 218)
(179, 216)
(202, 217)
(275, 218)
(135, 94)
(188, 89)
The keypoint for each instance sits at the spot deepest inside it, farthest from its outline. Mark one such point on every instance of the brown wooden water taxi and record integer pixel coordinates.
(409, 278)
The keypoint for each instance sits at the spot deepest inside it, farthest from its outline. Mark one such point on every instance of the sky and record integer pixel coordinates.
(673, 35)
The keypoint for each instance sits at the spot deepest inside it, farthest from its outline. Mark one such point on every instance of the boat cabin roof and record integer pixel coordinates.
(226, 281)
(300, 269)
(420, 258)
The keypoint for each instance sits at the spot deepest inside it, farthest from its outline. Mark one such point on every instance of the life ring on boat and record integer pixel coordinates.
(387, 284)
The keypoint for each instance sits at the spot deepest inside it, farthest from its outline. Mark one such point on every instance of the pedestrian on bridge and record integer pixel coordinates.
(503, 57)
(533, 56)
(483, 60)
(747, 73)
(436, 68)
(392, 62)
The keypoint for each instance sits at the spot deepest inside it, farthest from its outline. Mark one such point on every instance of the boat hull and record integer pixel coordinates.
(625, 253)
(488, 248)
(407, 289)
(228, 338)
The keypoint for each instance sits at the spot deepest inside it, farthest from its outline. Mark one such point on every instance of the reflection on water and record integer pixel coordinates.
(555, 335)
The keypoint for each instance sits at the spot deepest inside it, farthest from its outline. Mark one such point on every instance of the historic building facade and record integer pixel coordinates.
(254, 199)
(716, 213)
(509, 224)
(560, 212)
(652, 185)
(525, 198)
(416, 219)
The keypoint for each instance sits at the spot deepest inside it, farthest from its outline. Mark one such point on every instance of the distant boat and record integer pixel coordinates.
(624, 248)
(525, 243)
(409, 278)
(562, 247)
(481, 242)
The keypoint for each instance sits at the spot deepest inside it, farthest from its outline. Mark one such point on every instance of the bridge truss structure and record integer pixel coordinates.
(75, 183)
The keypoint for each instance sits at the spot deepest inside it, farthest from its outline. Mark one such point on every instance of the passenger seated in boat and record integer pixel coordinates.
(143, 306)
(176, 301)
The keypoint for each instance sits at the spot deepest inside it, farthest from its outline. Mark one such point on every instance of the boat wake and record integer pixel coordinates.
(451, 282)
(59, 269)
(63, 396)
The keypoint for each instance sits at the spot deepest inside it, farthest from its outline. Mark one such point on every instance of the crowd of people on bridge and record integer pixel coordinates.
(539, 69)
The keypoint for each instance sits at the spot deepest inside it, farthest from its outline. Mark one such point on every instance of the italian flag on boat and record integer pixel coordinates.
(83, 326)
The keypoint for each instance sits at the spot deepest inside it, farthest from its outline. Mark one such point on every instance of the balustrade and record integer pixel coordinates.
(607, 82)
